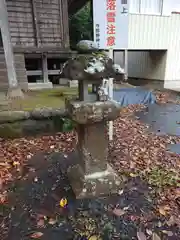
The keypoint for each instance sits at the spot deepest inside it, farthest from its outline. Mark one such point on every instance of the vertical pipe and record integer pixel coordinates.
(126, 64)
(139, 6)
(161, 7)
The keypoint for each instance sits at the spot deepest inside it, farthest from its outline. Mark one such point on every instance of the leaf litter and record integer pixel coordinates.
(135, 152)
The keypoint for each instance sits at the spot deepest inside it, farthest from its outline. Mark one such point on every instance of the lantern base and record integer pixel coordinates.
(98, 184)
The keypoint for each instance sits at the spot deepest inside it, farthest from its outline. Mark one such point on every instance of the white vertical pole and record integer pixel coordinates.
(126, 64)
(111, 97)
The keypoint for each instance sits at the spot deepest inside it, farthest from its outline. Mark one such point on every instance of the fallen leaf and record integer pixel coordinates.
(16, 163)
(37, 235)
(121, 192)
(169, 233)
(1, 184)
(134, 218)
(177, 193)
(155, 237)
(3, 198)
(133, 175)
(163, 210)
(119, 212)
(41, 223)
(126, 208)
(171, 221)
(52, 221)
(35, 179)
(149, 232)
(3, 164)
(94, 238)
(159, 224)
(141, 236)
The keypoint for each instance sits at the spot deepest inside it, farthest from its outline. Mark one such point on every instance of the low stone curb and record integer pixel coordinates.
(36, 114)
(16, 124)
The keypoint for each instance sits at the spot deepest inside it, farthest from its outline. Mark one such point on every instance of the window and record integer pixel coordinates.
(146, 6)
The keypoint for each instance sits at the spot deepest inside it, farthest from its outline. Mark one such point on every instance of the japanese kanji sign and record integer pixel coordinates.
(111, 23)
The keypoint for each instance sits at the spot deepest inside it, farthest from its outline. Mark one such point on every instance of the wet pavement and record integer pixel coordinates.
(163, 119)
(40, 193)
(174, 148)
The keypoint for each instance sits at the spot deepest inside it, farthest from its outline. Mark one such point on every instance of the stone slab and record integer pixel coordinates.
(73, 83)
(98, 184)
(29, 128)
(36, 114)
(13, 116)
(38, 85)
(63, 81)
(93, 146)
(83, 112)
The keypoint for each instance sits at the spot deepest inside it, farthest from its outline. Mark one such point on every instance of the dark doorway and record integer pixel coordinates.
(1, 42)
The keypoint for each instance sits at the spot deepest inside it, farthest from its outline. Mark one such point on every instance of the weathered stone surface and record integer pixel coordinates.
(93, 67)
(14, 93)
(83, 112)
(99, 184)
(13, 116)
(36, 114)
(93, 146)
(93, 177)
(29, 128)
(90, 184)
(15, 124)
(73, 83)
(87, 46)
(42, 113)
(75, 173)
(10, 130)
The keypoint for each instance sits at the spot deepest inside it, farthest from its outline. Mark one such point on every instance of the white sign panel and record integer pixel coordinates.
(111, 23)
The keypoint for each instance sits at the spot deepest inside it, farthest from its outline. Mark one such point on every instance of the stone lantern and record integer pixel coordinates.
(91, 111)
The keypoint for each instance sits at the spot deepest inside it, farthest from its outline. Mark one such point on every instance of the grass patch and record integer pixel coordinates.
(54, 98)
(42, 98)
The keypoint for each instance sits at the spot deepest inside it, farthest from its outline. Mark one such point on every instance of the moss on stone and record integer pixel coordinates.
(12, 116)
(35, 127)
(11, 130)
(83, 59)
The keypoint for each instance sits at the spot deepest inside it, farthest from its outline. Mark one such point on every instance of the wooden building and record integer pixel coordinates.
(34, 41)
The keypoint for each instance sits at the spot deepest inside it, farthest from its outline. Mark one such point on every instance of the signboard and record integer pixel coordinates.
(111, 23)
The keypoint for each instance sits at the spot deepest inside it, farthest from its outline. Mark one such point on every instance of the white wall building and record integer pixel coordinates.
(154, 41)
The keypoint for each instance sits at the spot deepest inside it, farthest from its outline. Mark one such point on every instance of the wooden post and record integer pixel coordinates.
(8, 50)
(45, 68)
(35, 22)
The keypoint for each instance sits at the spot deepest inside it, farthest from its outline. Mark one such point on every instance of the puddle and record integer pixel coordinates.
(163, 119)
(174, 148)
